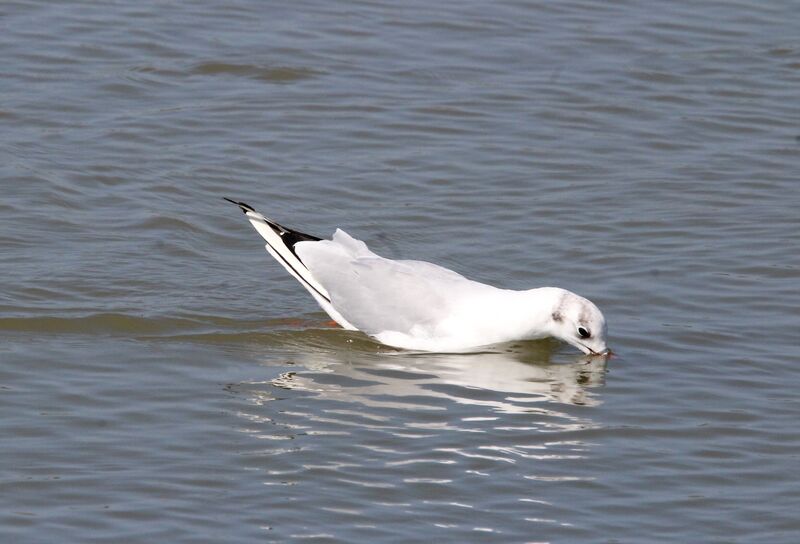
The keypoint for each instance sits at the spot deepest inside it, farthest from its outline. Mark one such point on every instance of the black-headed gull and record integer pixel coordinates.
(418, 305)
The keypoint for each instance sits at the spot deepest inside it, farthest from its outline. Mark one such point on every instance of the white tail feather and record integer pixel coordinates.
(285, 256)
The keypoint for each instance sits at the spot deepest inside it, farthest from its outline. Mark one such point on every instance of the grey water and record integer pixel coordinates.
(163, 380)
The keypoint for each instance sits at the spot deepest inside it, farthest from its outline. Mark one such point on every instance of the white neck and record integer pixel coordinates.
(535, 311)
(514, 315)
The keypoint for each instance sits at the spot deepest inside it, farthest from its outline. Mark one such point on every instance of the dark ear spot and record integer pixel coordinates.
(557, 317)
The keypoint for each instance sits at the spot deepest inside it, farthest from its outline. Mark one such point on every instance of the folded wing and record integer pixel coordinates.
(376, 294)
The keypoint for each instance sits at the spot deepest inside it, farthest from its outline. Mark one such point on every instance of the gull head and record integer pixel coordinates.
(579, 322)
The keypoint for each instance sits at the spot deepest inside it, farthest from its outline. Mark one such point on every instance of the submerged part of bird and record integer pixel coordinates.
(422, 306)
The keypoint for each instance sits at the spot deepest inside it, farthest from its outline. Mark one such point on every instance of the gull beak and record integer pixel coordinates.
(589, 352)
(605, 353)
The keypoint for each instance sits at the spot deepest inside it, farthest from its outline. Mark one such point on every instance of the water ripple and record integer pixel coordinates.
(160, 371)
(269, 74)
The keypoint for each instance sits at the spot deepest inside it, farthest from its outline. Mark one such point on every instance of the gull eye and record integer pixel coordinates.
(583, 333)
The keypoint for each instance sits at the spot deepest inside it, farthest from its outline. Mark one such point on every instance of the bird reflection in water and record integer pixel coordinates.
(519, 377)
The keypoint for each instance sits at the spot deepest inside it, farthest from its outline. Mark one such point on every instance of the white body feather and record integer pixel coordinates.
(414, 304)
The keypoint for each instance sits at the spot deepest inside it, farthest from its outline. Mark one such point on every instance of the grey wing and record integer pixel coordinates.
(376, 294)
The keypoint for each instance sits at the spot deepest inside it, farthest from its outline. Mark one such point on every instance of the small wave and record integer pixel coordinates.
(192, 326)
(303, 339)
(270, 74)
(101, 323)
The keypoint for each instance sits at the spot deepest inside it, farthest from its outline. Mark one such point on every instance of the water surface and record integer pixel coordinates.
(161, 379)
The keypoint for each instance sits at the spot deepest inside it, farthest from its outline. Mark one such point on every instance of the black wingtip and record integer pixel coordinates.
(244, 207)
